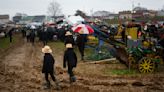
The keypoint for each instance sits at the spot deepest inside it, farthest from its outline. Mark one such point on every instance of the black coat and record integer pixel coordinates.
(32, 34)
(81, 39)
(48, 63)
(70, 57)
(69, 39)
(10, 33)
(44, 35)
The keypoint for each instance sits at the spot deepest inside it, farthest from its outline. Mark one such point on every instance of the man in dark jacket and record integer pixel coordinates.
(48, 66)
(10, 33)
(81, 39)
(32, 37)
(44, 36)
(71, 59)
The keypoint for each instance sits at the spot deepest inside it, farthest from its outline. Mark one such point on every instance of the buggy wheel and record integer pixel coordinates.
(132, 61)
(146, 65)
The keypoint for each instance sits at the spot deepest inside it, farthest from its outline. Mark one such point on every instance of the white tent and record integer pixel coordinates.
(74, 20)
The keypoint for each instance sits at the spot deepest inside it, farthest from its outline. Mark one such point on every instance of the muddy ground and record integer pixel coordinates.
(20, 71)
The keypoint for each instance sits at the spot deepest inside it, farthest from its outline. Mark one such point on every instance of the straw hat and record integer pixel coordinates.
(46, 49)
(129, 37)
(68, 33)
(68, 45)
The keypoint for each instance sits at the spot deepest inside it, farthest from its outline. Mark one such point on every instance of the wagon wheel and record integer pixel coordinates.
(132, 61)
(146, 65)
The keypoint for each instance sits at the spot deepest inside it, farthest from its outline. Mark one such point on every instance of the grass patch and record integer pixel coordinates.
(59, 48)
(58, 45)
(120, 72)
(93, 55)
(5, 42)
(124, 72)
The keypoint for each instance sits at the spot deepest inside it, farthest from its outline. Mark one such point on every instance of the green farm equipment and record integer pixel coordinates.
(145, 60)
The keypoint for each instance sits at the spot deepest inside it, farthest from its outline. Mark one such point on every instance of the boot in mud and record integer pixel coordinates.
(57, 85)
(72, 79)
(47, 85)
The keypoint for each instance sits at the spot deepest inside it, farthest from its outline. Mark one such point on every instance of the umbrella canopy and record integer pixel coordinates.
(83, 29)
(60, 21)
(74, 19)
(32, 27)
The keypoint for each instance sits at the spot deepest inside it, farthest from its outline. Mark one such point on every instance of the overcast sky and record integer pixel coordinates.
(39, 7)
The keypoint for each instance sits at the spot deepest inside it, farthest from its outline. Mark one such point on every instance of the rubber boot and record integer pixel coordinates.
(57, 85)
(47, 86)
(72, 79)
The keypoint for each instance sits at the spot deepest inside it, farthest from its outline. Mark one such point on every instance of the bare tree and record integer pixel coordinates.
(54, 9)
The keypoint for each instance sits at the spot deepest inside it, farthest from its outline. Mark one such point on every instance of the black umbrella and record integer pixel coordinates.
(59, 22)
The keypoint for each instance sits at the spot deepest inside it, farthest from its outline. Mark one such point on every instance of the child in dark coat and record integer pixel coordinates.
(69, 38)
(71, 59)
(48, 66)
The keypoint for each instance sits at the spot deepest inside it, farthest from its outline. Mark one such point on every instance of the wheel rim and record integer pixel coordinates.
(146, 65)
(132, 61)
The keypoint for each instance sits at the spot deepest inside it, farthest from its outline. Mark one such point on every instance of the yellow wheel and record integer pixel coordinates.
(146, 65)
(132, 61)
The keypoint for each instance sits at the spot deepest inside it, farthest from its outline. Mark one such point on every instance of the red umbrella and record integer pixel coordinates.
(83, 29)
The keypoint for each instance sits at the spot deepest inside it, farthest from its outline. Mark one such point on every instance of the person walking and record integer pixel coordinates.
(23, 32)
(28, 35)
(32, 37)
(44, 36)
(71, 59)
(48, 66)
(81, 39)
(10, 33)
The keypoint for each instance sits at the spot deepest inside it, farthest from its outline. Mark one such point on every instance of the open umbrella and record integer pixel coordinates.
(83, 29)
(32, 27)
(74, 20)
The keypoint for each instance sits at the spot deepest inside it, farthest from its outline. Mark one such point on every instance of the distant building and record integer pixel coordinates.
(104, 15)
(113, 16)
(4, 19)
(160, 13)
(137, 15)
(152, 13)
(101, 13)
(57, 18)
(139, 9)
(26, 19)
(139, 12)
(17, 19)
(39, 19)
(49, 19)
(125, 15)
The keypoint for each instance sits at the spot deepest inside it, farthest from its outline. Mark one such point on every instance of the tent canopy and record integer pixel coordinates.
(74, 19)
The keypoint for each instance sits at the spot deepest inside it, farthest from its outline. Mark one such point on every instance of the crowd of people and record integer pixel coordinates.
(69, 59)
(71, 40)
